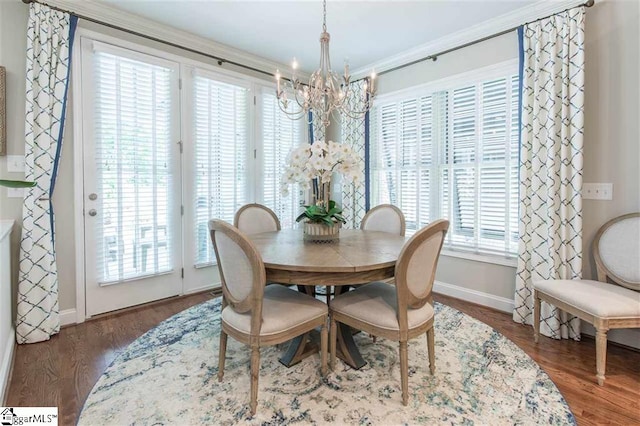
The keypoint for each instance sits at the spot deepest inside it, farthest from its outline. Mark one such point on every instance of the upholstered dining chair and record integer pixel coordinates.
(399, 312)
(256, 218)
(611, 302)
(385, 218)
(255, 314)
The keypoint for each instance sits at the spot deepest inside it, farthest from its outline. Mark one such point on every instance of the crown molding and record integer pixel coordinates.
(117, 17)
(479, 31)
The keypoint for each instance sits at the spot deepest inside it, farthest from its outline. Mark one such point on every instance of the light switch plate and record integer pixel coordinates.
(15, 163)
(15, 192)
(597, 191)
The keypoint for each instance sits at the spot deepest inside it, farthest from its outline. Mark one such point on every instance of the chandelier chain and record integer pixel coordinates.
(324, 16)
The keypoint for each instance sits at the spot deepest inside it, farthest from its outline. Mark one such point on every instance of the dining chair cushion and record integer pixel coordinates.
(282, 309)
(376, 304)
(600, 299)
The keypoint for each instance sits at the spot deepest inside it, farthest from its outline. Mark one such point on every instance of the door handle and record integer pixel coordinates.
(93, 196)
(93, 212)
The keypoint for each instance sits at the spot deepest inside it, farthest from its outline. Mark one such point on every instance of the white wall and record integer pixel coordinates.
(13, 42)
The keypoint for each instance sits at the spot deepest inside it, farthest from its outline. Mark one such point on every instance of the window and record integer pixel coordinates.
(176, 143)
(221, 144)
(280, 134)
(231, 168)
(133, 131)
(452, 152)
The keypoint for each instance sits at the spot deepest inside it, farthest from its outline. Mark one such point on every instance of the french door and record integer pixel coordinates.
(167, 146)
(132, 186)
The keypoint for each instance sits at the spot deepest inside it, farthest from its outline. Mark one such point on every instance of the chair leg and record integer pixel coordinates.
(324, 342)
(222, 351)
(536, 316)
(431, 346)
(601, 354)
(255, 371)
(404, 372)
(334, 339)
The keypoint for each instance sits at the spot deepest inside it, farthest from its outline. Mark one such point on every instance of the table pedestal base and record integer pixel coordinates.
(308, 344)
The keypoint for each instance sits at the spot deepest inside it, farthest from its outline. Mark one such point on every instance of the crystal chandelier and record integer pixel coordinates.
(326, 93)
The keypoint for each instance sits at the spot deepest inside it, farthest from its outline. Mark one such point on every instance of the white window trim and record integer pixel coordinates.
(448, 83)
(481, 257)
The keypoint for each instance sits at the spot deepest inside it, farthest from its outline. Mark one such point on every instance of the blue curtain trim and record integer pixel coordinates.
(367, 175)
(310, 127)
(73, 23)
(520, 89)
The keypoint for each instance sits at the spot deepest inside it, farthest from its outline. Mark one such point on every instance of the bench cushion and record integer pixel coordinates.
(600, 299)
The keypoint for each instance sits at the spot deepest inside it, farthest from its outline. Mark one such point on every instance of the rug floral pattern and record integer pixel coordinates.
(168, 376)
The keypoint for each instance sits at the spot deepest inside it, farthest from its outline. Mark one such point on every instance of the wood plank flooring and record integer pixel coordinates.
(62, 371)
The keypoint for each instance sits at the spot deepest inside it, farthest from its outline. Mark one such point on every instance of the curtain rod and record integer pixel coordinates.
(434, 57)
(220, 60)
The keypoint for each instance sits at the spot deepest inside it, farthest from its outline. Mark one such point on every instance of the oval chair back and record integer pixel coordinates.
(256, 218)
(384, 218)
(616, 250)
(242, 271)
(416, 269)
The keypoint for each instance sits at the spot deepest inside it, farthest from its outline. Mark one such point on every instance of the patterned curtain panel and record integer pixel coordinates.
(317, 128)
(354, 133)
(551, 162)
(49, 41)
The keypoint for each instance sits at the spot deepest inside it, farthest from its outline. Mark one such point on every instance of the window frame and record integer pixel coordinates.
(418, 92)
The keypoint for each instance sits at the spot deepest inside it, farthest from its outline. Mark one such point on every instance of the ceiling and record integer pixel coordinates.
(362, 31)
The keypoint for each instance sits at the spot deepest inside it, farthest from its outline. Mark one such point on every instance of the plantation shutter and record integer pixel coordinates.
(133, 112)
(481, 153)
(221, 140)
(452, 154)
(280, 134)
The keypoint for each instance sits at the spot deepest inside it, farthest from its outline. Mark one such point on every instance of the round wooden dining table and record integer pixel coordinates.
(358, 257)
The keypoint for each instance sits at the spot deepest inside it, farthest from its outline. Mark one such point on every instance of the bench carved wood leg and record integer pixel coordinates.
(536, 316)
(601, 354)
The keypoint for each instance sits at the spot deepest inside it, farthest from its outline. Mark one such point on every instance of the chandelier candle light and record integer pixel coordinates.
(326, 93)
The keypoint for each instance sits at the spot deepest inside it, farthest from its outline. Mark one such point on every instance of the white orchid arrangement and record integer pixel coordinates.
(319, 161)
(312, 166)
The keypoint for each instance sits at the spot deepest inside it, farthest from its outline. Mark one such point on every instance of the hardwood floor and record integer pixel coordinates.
(62, 371)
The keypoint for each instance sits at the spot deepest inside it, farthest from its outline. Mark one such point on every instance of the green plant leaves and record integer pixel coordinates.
(318, 214)
(16, 183)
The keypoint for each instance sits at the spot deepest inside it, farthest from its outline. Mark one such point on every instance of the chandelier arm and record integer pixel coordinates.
(327, 95)
(290, 114)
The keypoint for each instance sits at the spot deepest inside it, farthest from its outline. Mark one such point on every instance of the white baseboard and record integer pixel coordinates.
(5, 366)
(485, 299)
(202, 288)
(68, 316)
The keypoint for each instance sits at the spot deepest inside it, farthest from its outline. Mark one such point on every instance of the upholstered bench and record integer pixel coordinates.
(616, 250)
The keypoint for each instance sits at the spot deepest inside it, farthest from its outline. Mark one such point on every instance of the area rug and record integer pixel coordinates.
(168, 376)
